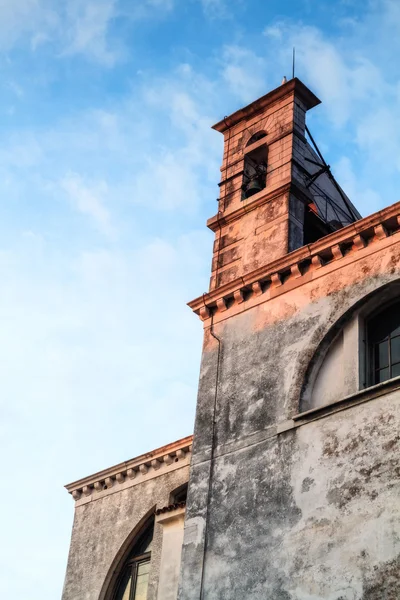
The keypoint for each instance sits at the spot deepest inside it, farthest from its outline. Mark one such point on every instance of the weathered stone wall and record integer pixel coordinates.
(105, 528)
(293, 509)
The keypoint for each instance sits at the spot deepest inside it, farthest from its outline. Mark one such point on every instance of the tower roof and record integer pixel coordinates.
(293, 85)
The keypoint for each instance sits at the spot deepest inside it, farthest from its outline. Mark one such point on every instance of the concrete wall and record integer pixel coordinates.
(104, 529)
(285, 507)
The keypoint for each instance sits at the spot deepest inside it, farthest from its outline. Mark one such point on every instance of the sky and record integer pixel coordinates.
(108, 172)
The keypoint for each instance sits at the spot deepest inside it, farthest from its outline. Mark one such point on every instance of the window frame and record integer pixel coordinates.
(371, 345)
(130, 570)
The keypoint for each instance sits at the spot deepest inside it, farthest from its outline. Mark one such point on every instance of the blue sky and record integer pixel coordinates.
(108, 171)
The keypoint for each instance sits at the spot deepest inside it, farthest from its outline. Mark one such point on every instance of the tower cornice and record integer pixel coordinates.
(292, 86)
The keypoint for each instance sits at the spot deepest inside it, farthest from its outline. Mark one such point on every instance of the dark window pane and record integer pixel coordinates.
(394, 350)
(384, 344)
(396, 331)
(396, 370)
(382, 355)
(382, 375)
(385, 323)
(180, 494)
(143, 545)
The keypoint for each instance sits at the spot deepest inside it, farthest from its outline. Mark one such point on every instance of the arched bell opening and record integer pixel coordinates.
(255, 167)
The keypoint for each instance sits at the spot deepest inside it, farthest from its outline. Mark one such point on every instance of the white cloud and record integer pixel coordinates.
(89, 200)
(74, 28)
(15, 88)
(156, 151)
(169, 182)
(39, 39)
(87, 30)
(154, 9)
(21, 152)
(80, 27)
(19, 18)
(341, 77)
(274, 31)
(244, 72)
(183, 176)
(378, 135)
(160, 4)
(365, 198)
(215, 8)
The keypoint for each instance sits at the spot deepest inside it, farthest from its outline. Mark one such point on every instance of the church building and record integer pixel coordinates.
(289, 488)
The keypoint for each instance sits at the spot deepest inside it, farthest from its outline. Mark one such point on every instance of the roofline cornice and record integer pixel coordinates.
(292, 267)
(151, 464)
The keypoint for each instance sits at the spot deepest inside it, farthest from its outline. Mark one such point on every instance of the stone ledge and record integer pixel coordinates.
(293, 267)
(300, 419)
(360, 397)
(263, 197)
(129, 473)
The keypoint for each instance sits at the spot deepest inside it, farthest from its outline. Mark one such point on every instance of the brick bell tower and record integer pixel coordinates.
(268, 205)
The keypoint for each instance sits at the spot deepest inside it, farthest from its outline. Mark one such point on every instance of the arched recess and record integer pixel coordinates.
(341, 364)
(136, 540)
(256, 136)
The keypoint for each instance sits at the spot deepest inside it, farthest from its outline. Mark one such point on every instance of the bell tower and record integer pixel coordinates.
(265, 198)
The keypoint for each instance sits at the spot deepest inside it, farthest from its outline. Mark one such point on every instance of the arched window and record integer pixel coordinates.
(362, 352)
(179, 495)
(134, 578)
(383, 332)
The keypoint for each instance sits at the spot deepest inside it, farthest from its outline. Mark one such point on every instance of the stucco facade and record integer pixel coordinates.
(294, 487)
